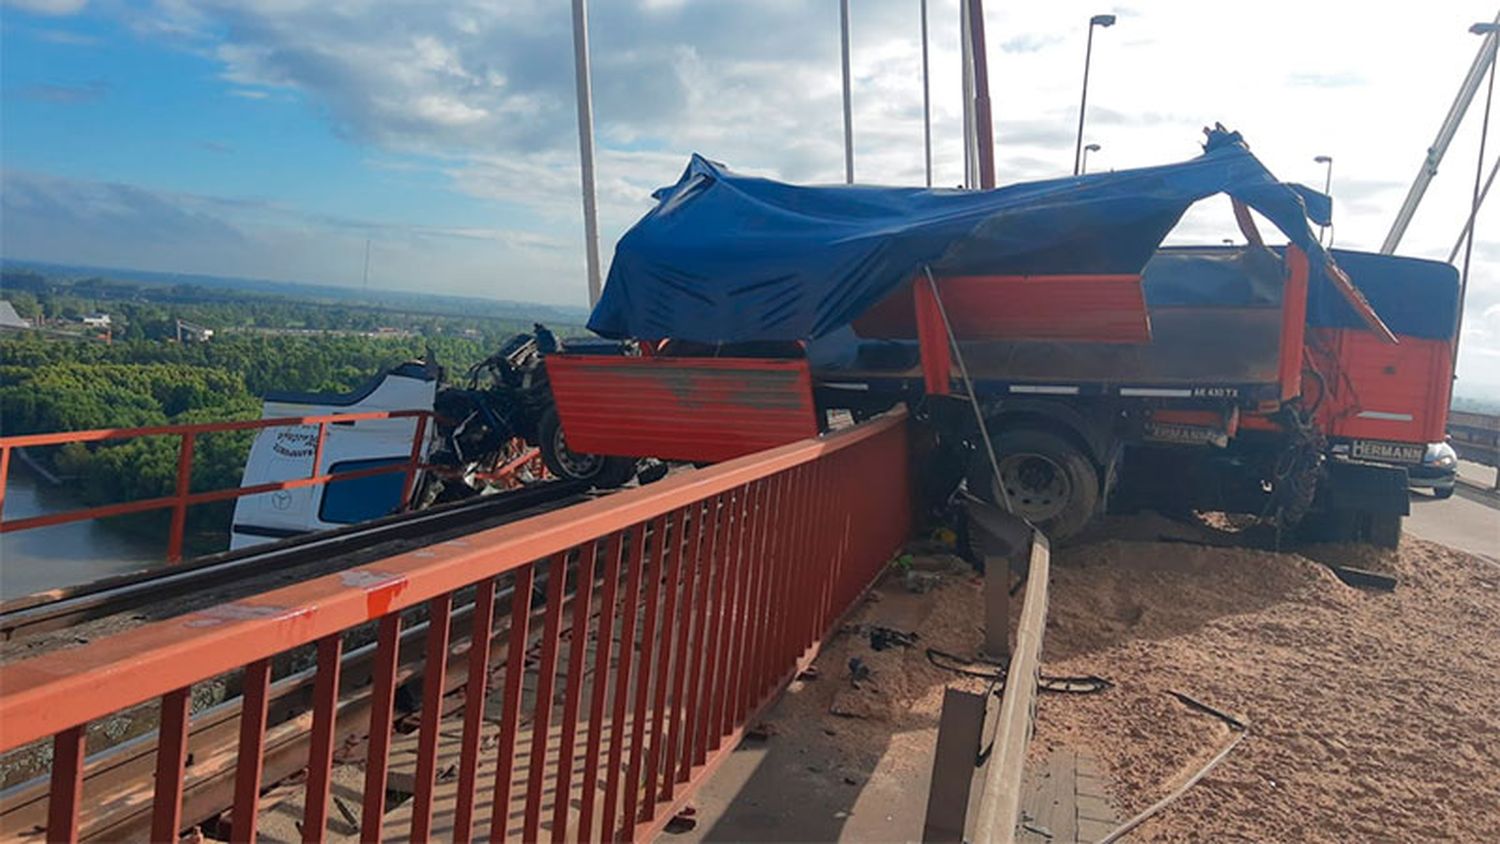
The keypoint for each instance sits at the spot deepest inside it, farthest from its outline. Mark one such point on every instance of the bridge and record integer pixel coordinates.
(573, 668)
(1476, 437)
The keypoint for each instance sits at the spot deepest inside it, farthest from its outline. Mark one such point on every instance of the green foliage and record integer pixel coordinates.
(26, 305)
(262, 344)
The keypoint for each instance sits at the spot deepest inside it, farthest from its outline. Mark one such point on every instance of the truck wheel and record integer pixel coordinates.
(1383, 530)
(600, 471)
(1442, 493)
(1047, 479)
(1330, 526)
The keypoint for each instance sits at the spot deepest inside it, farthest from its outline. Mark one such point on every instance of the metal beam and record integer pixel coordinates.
(1440, 144)
(999, 811)
(586, 145)
(926, 101)
(848, 104)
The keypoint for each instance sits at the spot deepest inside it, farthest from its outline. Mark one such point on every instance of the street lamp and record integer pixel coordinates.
(1086, 150)
(584, 98)
(926, 101)
(1327, 187)
(1491, 33)
(1096, 20)
(848, 109)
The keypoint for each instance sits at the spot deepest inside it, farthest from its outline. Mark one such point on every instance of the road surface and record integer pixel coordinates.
(1469, 521)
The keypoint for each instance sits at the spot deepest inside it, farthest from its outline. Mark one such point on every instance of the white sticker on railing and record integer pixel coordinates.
(366, 579)
(221, 613)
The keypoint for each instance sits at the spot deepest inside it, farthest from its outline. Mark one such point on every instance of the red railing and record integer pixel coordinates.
(654, 623)
(183, 497)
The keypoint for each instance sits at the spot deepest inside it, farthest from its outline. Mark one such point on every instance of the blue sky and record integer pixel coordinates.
(270, 138)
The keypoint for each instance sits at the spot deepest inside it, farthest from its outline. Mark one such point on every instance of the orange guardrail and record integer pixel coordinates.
(183, 497)
(669, 616)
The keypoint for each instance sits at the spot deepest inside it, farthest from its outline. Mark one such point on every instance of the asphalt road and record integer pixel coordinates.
(1469, 521)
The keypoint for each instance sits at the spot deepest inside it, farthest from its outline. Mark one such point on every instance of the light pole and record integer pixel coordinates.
(1327, 188)
(1096, 20)
(1491, 33)
(926, 101)
(848, 106)
(585, 102)
(1084, 168)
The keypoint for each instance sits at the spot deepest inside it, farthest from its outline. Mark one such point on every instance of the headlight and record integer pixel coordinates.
(1440, 454)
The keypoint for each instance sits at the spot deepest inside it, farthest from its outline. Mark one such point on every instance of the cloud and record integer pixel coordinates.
(65, 94)
(1336, 79)
(112, 224)
(217, 147)
(1027, 43)
(66, 38)
(1102, 115)
(478, 96)
(481, 79)
(40, 209)
(50, 8)
(1056, 133)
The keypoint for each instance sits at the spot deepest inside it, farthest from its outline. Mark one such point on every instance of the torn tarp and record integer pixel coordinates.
(727, 258)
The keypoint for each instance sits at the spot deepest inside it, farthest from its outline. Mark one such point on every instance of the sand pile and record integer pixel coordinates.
(1373, 714)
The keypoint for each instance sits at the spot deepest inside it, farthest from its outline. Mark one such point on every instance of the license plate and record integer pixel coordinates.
(1388, 452)
(1185, 434)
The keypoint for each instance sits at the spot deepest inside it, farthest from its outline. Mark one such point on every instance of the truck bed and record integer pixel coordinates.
(1215, 329)
(1192, 348)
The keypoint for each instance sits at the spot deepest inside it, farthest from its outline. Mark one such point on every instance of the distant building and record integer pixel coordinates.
(9, 319)
(96, 321)
(187, 332)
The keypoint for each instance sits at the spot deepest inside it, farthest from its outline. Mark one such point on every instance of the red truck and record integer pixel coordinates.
(1111, 373)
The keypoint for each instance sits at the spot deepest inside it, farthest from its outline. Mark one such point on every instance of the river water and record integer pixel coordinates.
(62, 555)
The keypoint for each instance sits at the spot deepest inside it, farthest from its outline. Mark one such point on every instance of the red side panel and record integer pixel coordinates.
(1293, 323)
(698, 409)
(1228, 422)
(932, 340)
(1381, 391)
(1094, 308)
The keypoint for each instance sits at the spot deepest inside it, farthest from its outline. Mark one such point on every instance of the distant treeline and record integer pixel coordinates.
(150, 311)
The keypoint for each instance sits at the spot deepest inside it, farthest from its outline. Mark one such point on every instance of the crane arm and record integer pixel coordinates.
(1439, 148)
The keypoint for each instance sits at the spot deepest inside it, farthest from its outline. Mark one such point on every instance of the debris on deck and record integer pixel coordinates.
(1370, 712)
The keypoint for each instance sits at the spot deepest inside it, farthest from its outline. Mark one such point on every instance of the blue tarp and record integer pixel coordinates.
(1415, 297)
(728, 258)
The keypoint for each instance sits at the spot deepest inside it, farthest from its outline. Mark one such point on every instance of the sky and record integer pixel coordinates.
(273, 138)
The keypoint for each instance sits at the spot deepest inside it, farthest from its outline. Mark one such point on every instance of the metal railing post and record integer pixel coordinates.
(184, 487)
(317, 460)
(960, 727)
(747, 555)
(4, 475)
(414, 463)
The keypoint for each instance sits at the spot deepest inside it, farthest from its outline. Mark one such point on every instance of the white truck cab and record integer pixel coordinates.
(286, 453)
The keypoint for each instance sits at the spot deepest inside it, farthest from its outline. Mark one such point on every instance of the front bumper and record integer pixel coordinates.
(1431, 477)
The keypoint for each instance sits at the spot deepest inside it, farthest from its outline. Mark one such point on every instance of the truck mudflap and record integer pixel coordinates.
(1358, 485)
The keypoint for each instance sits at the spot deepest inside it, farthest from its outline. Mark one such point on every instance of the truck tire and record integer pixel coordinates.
(1048, 480)
(1443, 493)
(1330, 526)
(599, 471)
(1383, 530)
